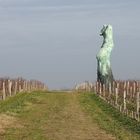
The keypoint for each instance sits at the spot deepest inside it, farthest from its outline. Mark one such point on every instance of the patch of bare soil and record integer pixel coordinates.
(5, 122)
(73, 124)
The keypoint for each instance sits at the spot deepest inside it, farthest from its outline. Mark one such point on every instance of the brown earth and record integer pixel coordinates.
(73, 124)
(5, 122)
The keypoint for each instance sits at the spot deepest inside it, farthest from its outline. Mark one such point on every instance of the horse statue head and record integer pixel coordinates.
(107, 32)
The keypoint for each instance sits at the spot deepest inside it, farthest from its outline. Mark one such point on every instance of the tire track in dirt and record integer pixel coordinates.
(73, 124)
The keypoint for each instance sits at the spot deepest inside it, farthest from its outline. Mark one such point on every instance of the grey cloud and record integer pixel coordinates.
(48, 3)
(57, 41)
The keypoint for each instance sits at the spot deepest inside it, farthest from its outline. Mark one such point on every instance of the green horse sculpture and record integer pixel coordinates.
(104, 71)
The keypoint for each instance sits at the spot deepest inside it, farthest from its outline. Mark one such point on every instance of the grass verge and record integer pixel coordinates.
(109, 118)
(16, 103)
(29, 113)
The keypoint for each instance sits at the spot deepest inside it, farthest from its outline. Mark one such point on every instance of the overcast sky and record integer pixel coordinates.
(56, 41)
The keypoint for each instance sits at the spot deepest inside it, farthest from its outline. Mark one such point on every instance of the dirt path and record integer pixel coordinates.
(73, 124)
(53, 117)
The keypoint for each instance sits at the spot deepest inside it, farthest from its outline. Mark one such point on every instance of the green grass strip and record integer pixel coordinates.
(109, 118)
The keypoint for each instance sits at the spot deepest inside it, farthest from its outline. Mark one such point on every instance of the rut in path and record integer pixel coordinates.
(74, 124)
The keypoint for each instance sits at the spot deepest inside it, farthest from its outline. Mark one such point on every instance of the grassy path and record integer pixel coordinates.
(55, 116)
(47, 117)
(73, 124)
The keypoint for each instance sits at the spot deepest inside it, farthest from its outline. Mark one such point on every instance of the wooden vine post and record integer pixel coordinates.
(10, 87)
(124, 97)
(116, 95)
(3, 91)
(138, 102)
(15, 88)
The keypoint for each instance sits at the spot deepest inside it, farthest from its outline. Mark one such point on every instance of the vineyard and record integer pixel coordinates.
(36, 113)
(10, 87)
(123, 95)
